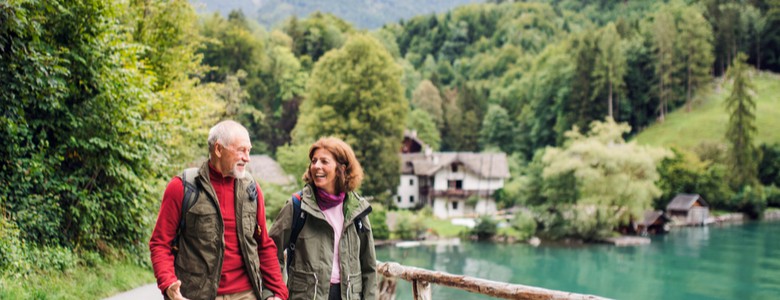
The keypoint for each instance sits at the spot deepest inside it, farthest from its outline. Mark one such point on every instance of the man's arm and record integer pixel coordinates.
(164, 233)
(267, 252)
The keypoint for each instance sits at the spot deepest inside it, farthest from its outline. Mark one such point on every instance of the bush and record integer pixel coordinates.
(408, 226)
(525, 225)
(485, 229)
(772, 193)
(378, 219)
(751, 201)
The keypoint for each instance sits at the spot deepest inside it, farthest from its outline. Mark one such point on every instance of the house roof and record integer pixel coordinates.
(488, 165)
(685, 201)
(265, 168)
(650, 217)
(412, 143)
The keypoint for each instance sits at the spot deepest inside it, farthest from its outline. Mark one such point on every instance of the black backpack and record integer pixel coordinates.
(191, 193)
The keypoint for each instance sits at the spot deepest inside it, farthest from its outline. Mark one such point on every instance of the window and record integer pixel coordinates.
(411, 199)
(455, 184)
(411, 181)
(398, 199)
(455, 205)
(454, 167)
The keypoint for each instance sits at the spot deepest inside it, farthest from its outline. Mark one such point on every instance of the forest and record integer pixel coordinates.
(104, 101)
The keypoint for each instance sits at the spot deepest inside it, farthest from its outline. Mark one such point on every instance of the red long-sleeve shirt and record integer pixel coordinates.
(233, 278)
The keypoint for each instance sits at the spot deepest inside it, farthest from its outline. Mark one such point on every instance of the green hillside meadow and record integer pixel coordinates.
(708, 119)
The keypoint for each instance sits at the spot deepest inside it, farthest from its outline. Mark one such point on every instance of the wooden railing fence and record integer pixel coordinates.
(422, 280)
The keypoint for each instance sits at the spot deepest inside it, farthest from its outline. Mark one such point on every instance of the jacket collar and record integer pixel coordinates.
(354, 205)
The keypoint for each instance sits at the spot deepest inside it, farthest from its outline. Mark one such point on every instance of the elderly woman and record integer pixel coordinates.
(333, 255)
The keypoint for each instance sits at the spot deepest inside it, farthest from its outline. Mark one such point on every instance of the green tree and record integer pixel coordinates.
(741, 128)
(615, 180)
(427, 98)
(422, 123)
(664, 37)
(85, 126)
(497, 129)
(355, 93)
(695, 43)
(610, 66)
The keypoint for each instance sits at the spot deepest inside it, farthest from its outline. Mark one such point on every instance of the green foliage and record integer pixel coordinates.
(525, 225)
(98, 281)
(497, 129)
(686, 173)
(317, 34)
(706, 123)
(485, 229)
(751, 200)
(422, 123)
(95, 110)
(378, 219)
(275, 197)
(294, 159)
(772, 193)
(426, 97)
(741, 129)
(610, 65)
(408, 226)
(769, 166)
(355, 93)
(615, 181)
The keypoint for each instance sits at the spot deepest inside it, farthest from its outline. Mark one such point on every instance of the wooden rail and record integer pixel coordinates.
(421, 280)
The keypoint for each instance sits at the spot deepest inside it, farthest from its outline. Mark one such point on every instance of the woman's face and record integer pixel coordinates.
(322, 169)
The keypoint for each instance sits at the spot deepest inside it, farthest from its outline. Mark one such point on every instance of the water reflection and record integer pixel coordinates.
(716, 262)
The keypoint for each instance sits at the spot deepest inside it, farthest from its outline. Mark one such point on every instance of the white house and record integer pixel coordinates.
(454, 184)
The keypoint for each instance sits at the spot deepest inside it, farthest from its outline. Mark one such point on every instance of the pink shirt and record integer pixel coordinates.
(335, 217)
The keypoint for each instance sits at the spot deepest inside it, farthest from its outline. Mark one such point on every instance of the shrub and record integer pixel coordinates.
(772, 193)
(378, 219)
(485, 228)
(525, 225)
(751, 201)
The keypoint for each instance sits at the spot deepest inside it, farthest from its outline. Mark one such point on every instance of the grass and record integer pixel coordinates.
(96, 282)
(443, 228)
(708, 119)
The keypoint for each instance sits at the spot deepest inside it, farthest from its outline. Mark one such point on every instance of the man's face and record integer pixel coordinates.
(235, 156)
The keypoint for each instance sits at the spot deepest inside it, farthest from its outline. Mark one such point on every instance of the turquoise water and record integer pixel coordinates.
(716, 262)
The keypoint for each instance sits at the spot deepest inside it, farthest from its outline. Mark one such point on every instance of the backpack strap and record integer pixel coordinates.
(299, 218)
(191, 192)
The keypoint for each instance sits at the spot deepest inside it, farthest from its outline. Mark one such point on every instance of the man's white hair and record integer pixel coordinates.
(224, 132)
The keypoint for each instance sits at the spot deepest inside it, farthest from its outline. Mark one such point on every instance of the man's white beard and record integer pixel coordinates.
(238, 175)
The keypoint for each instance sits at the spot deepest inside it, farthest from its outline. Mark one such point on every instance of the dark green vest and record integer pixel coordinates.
(198, 263)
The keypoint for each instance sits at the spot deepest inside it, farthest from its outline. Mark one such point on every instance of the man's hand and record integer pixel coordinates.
(173, 291)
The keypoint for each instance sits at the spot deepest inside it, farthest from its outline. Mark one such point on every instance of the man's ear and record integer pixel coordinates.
(218, 148)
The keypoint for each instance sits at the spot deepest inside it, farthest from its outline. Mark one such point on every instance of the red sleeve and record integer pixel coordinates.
(269, 264)
(164, 232)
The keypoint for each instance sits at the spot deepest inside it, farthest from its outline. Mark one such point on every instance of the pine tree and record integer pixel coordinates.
(742, 125)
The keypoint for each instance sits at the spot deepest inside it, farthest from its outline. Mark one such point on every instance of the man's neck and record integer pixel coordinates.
(215, 167)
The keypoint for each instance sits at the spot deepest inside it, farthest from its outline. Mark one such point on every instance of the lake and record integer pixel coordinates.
(737, 261)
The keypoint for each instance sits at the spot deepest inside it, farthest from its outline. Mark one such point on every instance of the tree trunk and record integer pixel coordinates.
(688, 98)
(610, 101)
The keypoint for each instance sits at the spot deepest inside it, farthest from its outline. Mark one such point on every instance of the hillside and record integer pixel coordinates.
(708, 119)
(364, 14)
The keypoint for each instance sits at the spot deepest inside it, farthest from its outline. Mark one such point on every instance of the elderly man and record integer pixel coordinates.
(210, 240)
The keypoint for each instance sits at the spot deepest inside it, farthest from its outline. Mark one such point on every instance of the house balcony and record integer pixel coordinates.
(460, 193)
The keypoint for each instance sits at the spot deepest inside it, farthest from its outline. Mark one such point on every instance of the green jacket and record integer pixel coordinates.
(309, 274)
(201, 246)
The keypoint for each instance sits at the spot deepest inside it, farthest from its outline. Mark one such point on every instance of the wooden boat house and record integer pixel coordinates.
(688, 209)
